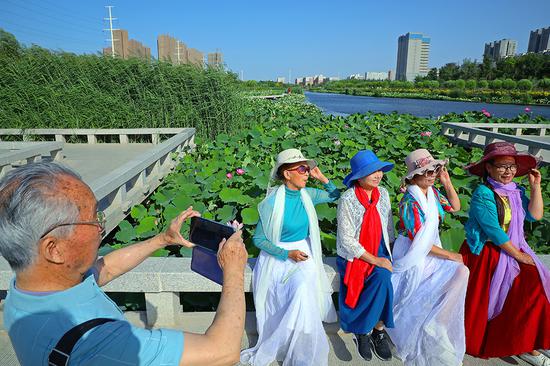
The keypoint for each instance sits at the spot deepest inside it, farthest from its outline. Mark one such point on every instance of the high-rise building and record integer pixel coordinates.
(138, 50)
(215, 59)
(497, 50)
(195, 57)
(126, 48)
(539, 40)
(172, 50)
(413, 53)
(374, 75)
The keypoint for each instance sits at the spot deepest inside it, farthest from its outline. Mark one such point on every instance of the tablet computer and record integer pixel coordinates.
(205, 262)
(208, 234)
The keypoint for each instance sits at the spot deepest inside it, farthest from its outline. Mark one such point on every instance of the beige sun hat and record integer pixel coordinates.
(290, 156)
(419, 161)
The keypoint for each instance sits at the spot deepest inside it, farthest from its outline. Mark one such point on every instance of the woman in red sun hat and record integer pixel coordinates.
(507, 301)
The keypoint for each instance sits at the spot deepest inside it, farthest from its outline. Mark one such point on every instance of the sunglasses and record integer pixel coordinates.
(100, 222)
(302, 169)
(432, 173)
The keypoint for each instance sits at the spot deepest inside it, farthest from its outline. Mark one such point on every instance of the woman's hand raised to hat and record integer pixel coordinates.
(316, 173)
(535, 177)
(444, 177)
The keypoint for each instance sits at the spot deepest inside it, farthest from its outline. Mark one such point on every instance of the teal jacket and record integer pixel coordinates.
(482, 224)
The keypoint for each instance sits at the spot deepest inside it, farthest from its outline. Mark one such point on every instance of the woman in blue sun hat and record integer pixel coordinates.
(365, 231)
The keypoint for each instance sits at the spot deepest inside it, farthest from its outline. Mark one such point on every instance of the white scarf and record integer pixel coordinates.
(410, 267)
(272, 221)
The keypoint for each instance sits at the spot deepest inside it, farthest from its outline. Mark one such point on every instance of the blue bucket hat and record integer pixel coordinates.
(364, 163)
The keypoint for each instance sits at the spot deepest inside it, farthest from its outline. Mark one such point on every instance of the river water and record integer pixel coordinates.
(341, 104)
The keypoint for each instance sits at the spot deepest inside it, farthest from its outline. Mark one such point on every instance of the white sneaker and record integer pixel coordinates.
(540, 360)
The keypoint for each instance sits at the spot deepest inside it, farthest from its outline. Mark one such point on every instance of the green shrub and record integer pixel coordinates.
(508, 84)
(544, 84)
(471, 84)
(460, 84)
(496, 84)
(484, 84)
(525, 84)
(450, 84)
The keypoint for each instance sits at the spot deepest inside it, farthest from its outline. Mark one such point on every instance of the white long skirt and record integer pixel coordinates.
(429, 326)
(291, 330)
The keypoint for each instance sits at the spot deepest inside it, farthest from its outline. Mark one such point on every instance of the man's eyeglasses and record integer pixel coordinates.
(100, 222)
(503, 168)
(302, 169)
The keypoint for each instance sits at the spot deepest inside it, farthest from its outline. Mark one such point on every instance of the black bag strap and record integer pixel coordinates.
(60, 354)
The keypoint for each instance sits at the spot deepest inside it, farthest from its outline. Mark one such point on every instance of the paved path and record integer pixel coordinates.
(342, 352)
(93, 161)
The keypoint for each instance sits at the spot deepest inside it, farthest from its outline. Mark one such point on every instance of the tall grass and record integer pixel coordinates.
(45, 89)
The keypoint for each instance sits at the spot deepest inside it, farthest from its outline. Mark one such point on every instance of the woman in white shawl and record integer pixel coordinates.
(292, 294)
(429, 282)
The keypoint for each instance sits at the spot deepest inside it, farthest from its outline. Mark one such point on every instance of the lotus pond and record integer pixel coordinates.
(227, 177)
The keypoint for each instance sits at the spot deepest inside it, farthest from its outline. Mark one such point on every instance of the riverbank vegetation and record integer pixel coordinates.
(523, 79)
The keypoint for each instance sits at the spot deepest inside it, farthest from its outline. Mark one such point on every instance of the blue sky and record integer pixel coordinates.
(265, 39)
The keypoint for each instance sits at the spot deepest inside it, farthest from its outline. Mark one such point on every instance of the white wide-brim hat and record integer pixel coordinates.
(290, 156)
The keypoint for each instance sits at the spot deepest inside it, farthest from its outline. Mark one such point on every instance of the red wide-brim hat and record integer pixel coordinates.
(524, 161)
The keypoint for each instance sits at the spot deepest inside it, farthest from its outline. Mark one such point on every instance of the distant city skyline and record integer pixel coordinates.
(261, 40)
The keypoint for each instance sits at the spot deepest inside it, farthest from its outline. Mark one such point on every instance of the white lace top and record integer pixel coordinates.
(350, 218)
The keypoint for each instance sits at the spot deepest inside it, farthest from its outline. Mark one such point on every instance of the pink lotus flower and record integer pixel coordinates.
(426, 133)
(240, 171)
(487, 114)
(527, 109)
(235, 224)
(229, 175)
(483, 110)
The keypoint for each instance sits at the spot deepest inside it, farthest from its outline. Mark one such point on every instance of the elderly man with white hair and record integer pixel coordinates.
(50, 232)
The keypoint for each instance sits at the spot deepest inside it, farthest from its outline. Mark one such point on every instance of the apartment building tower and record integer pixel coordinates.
(498, 50)
(215, 59)
(171, 49)
(539, 40)
(126, 48)
(413, 53)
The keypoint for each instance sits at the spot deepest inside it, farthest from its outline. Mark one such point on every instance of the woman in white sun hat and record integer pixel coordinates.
(292, 294)
(429, 282)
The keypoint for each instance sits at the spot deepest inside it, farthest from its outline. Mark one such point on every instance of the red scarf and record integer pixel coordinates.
(370, 236)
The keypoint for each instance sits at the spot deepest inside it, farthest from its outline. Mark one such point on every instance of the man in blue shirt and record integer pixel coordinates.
(50, 233)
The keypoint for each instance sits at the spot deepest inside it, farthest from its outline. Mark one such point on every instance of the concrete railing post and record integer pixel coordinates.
(162, 308)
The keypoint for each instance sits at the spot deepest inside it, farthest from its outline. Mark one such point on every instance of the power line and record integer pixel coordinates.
(42, 32)
(44, 20)
(59, 10)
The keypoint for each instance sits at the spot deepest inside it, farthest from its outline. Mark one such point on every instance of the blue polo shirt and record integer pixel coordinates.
(35, 323)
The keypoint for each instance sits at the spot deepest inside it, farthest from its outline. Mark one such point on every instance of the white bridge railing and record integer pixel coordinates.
(482, 134)
(13, 154)
(130, 183)
(161, 280)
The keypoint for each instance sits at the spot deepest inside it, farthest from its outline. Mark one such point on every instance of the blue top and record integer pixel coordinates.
(295, 221)
(482, 224)
(36, 323)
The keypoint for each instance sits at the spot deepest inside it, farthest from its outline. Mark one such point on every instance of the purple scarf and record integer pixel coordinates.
(508, 268)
